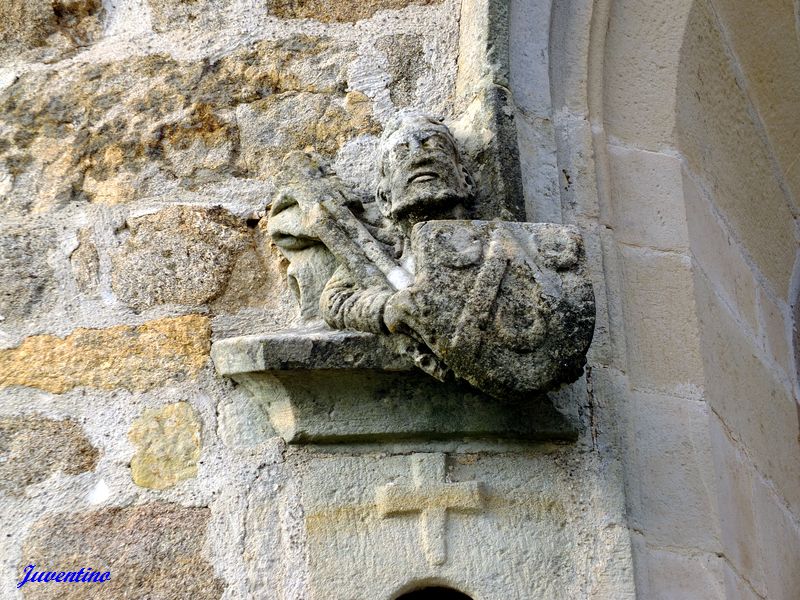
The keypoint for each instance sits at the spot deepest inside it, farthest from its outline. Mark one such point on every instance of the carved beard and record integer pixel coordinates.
(427, 202)
(430, 207)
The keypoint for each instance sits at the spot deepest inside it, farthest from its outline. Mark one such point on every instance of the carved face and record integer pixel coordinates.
(422, 177)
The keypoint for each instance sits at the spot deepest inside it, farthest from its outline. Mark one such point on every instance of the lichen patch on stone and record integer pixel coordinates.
(31, 24)
(168, 446)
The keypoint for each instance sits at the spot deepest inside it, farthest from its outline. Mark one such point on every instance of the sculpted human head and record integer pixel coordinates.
(421, 173)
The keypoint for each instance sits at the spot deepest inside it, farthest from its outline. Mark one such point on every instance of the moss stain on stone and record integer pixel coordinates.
(168, 446)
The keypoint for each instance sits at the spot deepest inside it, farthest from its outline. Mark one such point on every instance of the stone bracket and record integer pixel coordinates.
(322, 386)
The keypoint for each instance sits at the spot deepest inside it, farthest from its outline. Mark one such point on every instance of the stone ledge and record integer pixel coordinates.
(308, 349)
(325, 386)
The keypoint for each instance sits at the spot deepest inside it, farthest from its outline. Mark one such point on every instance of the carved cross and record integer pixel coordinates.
(431, 496)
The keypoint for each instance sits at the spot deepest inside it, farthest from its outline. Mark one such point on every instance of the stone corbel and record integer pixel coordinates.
(431, 310)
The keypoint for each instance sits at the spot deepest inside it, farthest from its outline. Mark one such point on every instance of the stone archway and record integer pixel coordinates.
(672, 123)
(738, 82)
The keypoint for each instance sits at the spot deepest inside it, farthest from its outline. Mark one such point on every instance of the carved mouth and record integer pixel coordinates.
(423, 176)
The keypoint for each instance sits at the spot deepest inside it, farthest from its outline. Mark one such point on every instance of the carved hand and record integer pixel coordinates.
(399, 314)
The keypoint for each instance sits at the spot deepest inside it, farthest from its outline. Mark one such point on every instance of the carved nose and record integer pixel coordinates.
(281, 203)
(425, 160)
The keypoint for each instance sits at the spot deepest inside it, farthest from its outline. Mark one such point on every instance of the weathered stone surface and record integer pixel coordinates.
(718, 255)
(345, 10)
(172, 14)
(542, 510)
(661, 325)
(152, 551)
(760, 36)
(774, 320)
(134, 358)
(180, 255)
(669, 575)
(28, 24)
(33, 447)
(294, 222)
(242, 420)
(671, 497)
(405, 64)
(85, 262)
(503, 306)
(26, 278)
(737, 588)
(168, 446)
(313, 349)
(778, 543)
(321, 122)
(754, 404)
(252, 281)
(117, 131)
(642, 47)
(735, 478)
(647, 200)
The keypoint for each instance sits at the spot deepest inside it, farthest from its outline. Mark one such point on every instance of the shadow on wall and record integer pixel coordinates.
(435, 593)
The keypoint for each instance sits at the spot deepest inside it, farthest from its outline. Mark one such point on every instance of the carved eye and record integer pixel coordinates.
(434, 142)
(400, 150)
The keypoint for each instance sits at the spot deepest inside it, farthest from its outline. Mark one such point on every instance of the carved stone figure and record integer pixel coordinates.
(502, 305)
(421, 179)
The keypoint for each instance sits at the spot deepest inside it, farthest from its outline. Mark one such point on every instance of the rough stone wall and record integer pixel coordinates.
(138, 141)
(138, 145)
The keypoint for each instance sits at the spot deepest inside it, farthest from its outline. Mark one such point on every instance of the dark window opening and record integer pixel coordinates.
(435, 593)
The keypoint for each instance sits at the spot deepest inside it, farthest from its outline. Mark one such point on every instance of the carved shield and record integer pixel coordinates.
(505, 305)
